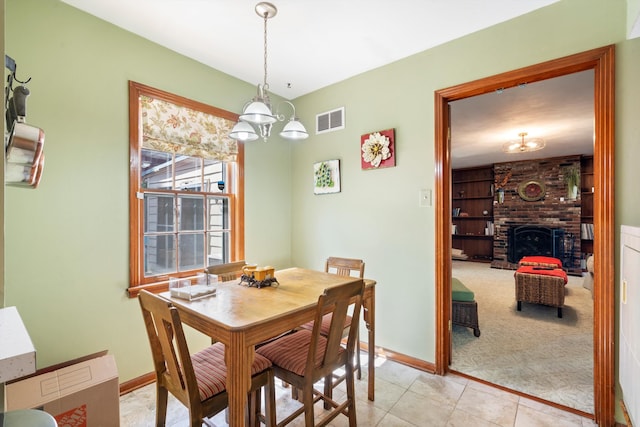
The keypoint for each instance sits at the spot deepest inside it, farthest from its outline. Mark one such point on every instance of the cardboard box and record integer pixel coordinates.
(83, 394)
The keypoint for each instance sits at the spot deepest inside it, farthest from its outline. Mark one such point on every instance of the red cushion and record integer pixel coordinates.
(326, 324)
(211, 371)
(541, 261)
(531, 269)
(290, 352)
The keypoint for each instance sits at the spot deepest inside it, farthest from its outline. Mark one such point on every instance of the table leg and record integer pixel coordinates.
(369, 305)
(239, 358)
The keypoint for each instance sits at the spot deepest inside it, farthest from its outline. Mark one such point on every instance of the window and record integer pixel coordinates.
(186, 188)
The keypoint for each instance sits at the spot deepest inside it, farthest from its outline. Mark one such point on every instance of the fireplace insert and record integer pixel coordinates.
(532, 240)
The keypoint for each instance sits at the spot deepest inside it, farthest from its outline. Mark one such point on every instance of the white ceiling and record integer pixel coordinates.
(311, 44)
(559, 110)
(315, 44)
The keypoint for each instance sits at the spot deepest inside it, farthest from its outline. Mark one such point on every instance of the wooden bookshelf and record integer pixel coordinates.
(586, 213)
(472, 217)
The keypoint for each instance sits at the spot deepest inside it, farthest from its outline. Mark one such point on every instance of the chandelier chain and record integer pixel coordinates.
(266, 16)
(257, 115)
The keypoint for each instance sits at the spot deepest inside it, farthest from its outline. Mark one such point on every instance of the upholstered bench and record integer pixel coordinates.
(540, 261)
(540, 285)
(464, 307)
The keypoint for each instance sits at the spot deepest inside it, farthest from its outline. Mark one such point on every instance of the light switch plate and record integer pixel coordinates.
(425, 198)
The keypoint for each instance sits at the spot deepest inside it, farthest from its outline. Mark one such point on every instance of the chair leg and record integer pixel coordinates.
(358, 357)
(307, 401)
(270, 402)
(295, 393)
(351, 396)
(196, 423)
(161, 405)
(253, 408)
(328, 390)
(195, 417)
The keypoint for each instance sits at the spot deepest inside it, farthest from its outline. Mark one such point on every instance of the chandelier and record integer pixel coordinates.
(523, 146)
(257, 113)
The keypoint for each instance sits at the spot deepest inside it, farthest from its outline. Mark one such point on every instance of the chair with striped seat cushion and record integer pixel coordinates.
(198, 380)
(211, 371)
(343, 267)
(306, 356)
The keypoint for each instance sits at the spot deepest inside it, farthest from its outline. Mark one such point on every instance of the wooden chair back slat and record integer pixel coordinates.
(345, 266)
(337, 300)
(228, 271)
(169, 349)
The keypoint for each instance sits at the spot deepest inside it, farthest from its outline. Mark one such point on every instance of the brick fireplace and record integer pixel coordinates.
(553, 213)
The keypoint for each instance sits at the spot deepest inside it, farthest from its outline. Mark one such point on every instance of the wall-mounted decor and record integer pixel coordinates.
(326, 177)
(24, 143)
(531, 191)
(378, 150)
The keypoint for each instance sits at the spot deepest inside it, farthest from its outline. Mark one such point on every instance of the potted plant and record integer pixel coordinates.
(572, 179)
(500, 183)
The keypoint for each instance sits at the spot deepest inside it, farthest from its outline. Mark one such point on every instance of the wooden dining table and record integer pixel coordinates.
(241, 317)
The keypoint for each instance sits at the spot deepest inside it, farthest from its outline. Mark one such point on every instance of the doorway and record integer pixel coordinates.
(600, 60)
(520, 350)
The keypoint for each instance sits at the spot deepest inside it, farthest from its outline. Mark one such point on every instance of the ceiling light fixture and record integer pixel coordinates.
(257, 112)
(523, 146)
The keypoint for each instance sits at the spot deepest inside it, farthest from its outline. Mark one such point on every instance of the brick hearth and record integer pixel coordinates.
(548, 212)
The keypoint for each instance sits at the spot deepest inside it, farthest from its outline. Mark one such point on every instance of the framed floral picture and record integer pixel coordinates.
(326, 177)
(378, 150)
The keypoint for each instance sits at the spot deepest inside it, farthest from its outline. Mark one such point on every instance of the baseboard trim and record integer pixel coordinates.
(136, 383)
(402, 359)
(150, 378)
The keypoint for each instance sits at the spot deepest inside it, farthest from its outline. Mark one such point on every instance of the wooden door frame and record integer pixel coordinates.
(602, 61)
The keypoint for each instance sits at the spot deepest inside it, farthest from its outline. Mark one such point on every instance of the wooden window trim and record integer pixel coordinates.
(137, 281)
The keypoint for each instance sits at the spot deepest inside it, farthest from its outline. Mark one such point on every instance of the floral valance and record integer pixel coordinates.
(173, 128)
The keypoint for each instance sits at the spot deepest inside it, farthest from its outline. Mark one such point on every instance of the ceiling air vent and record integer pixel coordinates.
(330, 121)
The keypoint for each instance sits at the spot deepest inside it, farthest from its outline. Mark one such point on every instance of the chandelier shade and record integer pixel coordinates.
(523, 146)
(294, 130)
(258, 111)
(243, 131)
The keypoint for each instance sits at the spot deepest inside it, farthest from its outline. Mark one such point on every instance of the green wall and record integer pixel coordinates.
(376, 216)
(67, 241)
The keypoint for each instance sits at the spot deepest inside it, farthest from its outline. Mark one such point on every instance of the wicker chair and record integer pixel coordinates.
(464, 307)
(198, 380)
(305, 357)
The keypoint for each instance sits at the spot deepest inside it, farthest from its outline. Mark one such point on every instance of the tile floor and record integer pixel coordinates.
(405, 397)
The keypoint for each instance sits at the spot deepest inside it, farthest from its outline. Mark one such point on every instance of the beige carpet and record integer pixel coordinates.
(531, 351)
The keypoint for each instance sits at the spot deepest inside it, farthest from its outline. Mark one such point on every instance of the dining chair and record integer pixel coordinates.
(197, 380)
(343, 267)
(306, 356)
(228, 271)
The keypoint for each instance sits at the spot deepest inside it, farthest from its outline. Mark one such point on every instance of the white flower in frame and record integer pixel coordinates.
(375, 149)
